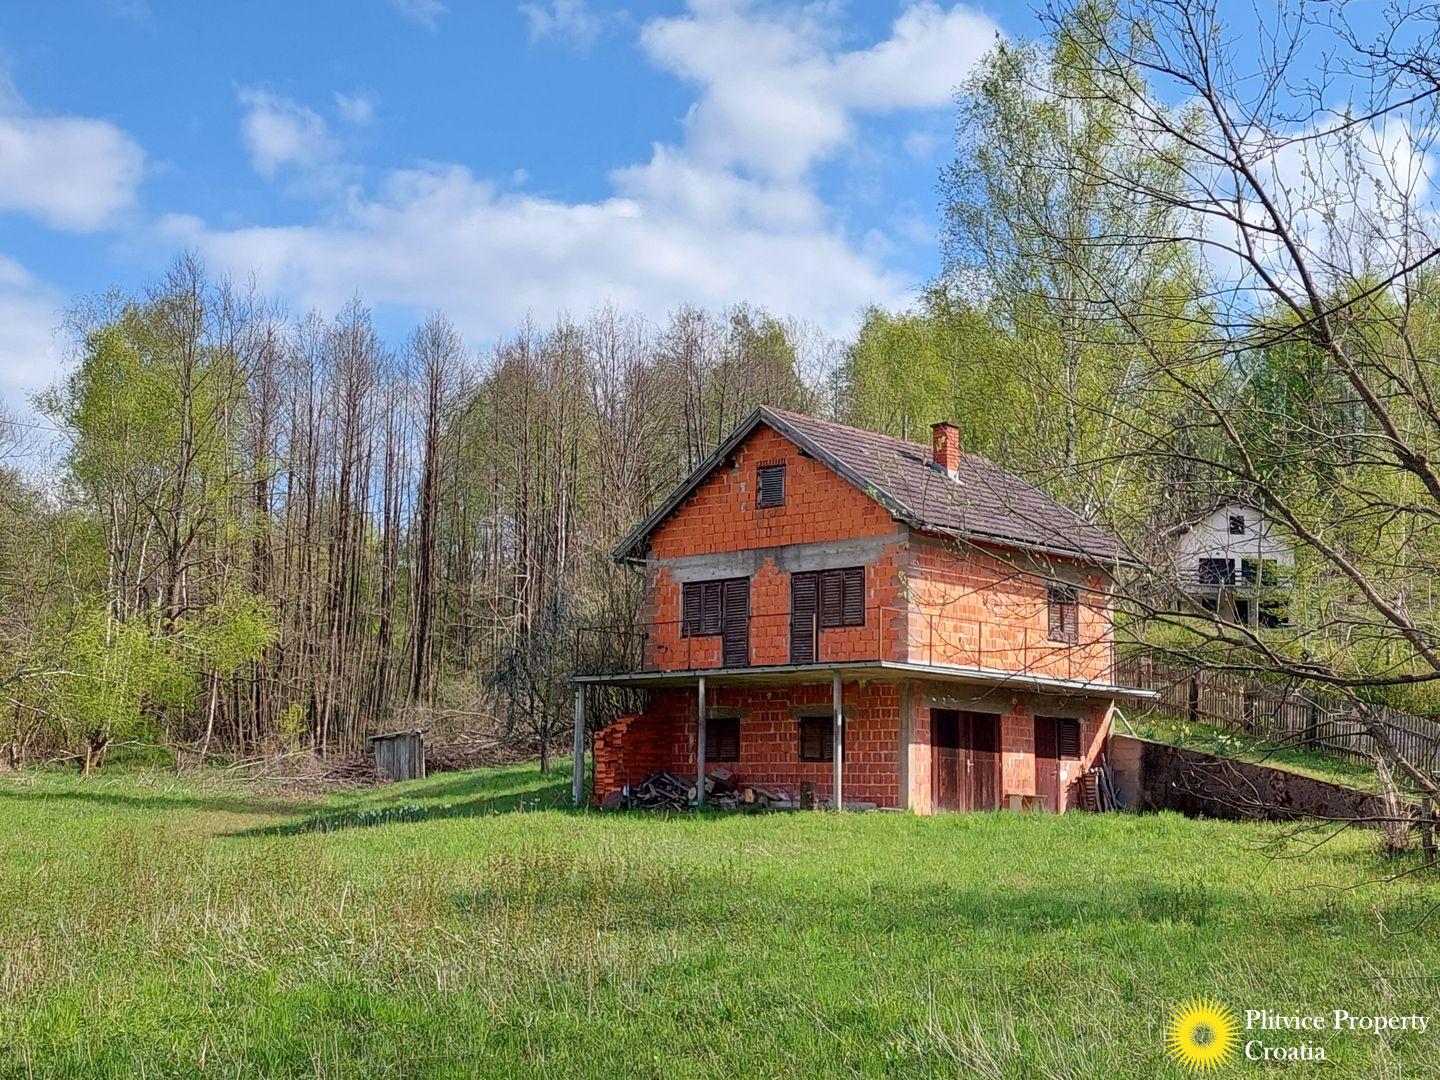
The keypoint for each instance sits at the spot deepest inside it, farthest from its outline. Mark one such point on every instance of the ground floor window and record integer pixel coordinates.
(817, 738)
(722, 738)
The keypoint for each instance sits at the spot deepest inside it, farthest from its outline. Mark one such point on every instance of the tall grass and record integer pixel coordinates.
(467, 925)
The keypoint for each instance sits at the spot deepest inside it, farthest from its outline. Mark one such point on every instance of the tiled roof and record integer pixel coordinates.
(982, 502)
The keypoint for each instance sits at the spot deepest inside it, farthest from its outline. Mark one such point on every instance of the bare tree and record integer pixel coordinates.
(1296, 175)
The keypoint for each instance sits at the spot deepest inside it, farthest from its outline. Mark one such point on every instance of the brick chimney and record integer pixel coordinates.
(945, 446)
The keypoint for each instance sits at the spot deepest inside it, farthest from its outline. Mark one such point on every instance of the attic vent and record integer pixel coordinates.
(770, 486)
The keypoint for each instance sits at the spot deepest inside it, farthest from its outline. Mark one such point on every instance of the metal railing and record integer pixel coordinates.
(898, 634)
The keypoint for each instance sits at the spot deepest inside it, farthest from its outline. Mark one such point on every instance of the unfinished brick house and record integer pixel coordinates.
(893, 625)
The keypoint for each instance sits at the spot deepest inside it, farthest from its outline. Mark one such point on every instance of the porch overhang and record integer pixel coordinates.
(872, 670)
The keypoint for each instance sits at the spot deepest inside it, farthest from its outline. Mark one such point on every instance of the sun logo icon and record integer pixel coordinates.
(1201, 1034)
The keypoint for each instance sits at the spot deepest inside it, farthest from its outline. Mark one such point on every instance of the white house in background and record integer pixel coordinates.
(1237, 562)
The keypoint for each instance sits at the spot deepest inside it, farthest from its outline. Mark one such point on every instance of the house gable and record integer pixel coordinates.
(720, 513)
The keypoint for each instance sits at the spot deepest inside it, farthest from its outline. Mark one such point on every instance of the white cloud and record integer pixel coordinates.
(443, 238)
(570, 22)
(728, 214)
(279, 133)
(777, 97)
(71, 172)
(29, 352)
(356, 109)
(929, 52)
(425, 12)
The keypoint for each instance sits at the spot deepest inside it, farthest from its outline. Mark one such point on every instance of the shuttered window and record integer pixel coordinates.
(817, 738)
(839, 595)
(1067, 738)
(804, 602)
(690, 609)
(852, 605)
(770, 486)
(735, 623)
(722, 739)
(704, 604)
(1064, 602)
(832, 592)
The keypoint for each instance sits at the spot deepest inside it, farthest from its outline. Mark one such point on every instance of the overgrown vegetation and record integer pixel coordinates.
(461, 926)
(270, 533)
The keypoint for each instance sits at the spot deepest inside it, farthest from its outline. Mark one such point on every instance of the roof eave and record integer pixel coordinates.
(630, 549)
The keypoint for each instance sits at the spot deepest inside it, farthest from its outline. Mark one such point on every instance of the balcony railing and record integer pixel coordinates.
(888, 634)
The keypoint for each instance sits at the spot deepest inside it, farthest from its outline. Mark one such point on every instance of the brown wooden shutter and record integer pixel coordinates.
(817, 738)
(803, 607)
(713, 607)
(690, 609)
(770, 485)
(1064, 612)
(832, 598)
(722, 738)
(736, 642)
(1067, 738)
(854, 596)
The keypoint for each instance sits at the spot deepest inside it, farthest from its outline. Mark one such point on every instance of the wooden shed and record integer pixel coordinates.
(400, 755)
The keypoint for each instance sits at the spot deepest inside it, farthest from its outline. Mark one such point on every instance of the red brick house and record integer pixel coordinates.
(906, 627)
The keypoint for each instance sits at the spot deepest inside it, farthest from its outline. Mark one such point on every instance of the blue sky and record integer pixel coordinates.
(492, 159)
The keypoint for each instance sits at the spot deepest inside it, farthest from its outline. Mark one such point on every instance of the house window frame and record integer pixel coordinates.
(713, 745)
(1237, 520)
(1207, 566)
(850, 581)
(1062, 596)
(826, 719)
(696, 623)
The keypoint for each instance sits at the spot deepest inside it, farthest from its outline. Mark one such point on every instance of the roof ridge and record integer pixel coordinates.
(909, 444)
(984, 500)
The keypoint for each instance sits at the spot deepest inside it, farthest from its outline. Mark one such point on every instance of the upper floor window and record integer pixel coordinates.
(1216, 571)
(835, 597)
(703, 605)
(770, 486)
(1064, 602)
(1237, 524)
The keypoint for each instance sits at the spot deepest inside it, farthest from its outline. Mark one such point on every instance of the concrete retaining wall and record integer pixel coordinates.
(1157, 776)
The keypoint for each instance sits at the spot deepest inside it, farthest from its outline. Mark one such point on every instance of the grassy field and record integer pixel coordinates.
(463, 926)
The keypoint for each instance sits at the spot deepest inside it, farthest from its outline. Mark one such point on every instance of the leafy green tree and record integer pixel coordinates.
(1025, 223)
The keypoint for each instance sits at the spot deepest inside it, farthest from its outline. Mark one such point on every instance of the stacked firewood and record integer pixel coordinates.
(666, 790)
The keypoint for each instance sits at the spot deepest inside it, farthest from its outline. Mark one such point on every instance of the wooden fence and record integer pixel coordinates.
(1278, 714)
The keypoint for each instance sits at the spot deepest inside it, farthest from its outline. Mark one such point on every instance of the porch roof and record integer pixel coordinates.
(886, 670)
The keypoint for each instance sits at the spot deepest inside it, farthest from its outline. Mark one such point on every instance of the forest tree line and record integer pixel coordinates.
(269, 532)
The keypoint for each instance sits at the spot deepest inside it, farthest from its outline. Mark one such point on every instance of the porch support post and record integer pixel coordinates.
(700, 742)
(839, 741)
(907, 737)
(577, 781)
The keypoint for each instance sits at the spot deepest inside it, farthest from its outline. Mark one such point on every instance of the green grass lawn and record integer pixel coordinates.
(464, 925)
